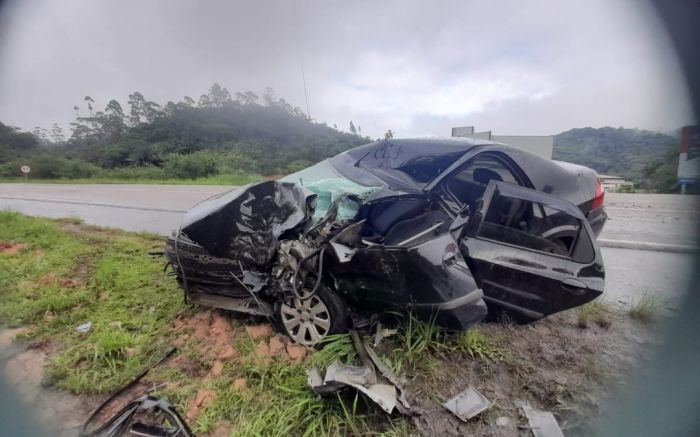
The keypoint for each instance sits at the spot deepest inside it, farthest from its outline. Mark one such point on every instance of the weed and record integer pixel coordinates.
(70, 220)
(478, 345)
(646, 308)
(417, 341)
(336, 347)
(597, 311)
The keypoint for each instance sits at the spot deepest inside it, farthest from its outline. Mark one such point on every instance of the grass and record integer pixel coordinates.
(132, 305)
(69, 273)
(65, 278)
(336, 347)
(222, 179)
(596, 311)
(478, 345)
(646, 308)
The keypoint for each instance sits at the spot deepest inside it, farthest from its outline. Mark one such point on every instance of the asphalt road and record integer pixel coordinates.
(662, 222)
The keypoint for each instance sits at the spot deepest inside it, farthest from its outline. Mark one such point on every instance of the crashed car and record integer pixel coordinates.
(448, 229)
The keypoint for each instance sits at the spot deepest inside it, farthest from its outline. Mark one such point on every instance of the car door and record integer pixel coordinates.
(531, 253)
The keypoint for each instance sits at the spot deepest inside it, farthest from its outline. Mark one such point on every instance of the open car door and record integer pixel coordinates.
(531, 253)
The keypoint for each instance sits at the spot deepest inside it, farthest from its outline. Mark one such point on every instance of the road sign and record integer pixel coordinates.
(25, 169)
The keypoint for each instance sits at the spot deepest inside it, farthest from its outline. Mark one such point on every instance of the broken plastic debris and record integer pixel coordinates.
(542, 423)
(362, 378)
(467, 404)
(85, 327)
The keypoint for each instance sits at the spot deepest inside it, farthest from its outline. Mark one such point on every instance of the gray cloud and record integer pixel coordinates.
(416, 67)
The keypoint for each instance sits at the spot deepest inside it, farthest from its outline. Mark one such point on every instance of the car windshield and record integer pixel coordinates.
(329, 186)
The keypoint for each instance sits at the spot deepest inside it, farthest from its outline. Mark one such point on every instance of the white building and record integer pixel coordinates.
(615, 183)
(539, 144)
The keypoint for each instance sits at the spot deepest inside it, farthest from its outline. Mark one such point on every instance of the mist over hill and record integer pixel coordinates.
(219, 133)
(648, 158)
(248, 134)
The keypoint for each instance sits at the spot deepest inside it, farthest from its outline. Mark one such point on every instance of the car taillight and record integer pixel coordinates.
(599, 195)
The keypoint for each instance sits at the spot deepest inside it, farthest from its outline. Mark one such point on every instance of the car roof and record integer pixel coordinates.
(394, 153)
(404, 163)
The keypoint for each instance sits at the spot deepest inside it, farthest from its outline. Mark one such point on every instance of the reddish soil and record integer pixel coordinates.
(11, 247)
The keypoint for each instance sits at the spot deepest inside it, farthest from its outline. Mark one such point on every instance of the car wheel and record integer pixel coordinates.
(309, 321)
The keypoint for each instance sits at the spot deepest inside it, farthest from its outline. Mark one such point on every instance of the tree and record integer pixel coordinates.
(352, 128)
(113, 124)
(205, 101)
(89, 101)
(269, 97)
(389, 134)
(219, 96)
(137, 104)
(188, 101)
(57, 133)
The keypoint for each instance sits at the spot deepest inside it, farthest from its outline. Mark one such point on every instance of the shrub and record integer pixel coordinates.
(297, 165)
(192, 166)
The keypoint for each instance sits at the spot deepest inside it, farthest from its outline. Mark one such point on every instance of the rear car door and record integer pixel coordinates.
(532, 253)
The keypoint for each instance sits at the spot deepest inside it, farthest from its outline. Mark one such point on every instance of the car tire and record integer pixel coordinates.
(308, 322)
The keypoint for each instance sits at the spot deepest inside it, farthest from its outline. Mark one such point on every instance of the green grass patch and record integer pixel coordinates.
(335, 347)
(479, 345)
(117, 286)
(65, 277)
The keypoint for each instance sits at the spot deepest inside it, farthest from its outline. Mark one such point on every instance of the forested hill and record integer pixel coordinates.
(642, 156)
(219, 134)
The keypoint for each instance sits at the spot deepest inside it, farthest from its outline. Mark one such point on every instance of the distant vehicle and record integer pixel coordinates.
(448, 229)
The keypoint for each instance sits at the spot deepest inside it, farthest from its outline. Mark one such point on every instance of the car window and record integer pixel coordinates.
(535, 226)
(468, 184)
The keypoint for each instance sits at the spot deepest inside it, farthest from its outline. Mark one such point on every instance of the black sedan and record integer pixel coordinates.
(448, 229)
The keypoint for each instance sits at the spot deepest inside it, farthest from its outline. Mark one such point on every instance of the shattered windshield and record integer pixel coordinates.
(329, 186)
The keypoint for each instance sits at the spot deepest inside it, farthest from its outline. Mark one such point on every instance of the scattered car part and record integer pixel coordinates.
(373, 378)
(542, 423)
(364, 380)
(84, 327)
(467, 404)
(124, 422)
(440, 228)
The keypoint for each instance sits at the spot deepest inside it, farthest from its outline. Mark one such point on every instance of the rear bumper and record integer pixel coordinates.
(597, 219)
(458, 314)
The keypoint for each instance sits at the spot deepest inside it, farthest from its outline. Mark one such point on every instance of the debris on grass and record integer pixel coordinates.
(467, 404)
(647, 307)
(137, 312)
(542, 423)
(83, 327)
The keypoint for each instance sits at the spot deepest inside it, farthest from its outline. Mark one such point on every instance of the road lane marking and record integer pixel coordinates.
(86, 203)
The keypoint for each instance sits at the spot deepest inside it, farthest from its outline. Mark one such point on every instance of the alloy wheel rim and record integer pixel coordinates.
(307, 321)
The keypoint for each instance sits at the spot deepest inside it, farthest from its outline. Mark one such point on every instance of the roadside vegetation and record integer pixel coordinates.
(235, 376)
(232, 139)
(219, 138)
(647, 308)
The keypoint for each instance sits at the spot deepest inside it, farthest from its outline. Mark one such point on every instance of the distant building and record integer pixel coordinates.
(615, 183)
(689, 159)
(539, 144)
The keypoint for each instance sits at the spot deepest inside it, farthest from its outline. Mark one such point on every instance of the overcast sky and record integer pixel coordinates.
(416, 67)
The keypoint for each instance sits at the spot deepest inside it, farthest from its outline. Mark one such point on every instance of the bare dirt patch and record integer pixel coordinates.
(11, 247)
(552, 363)
(211, 330)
